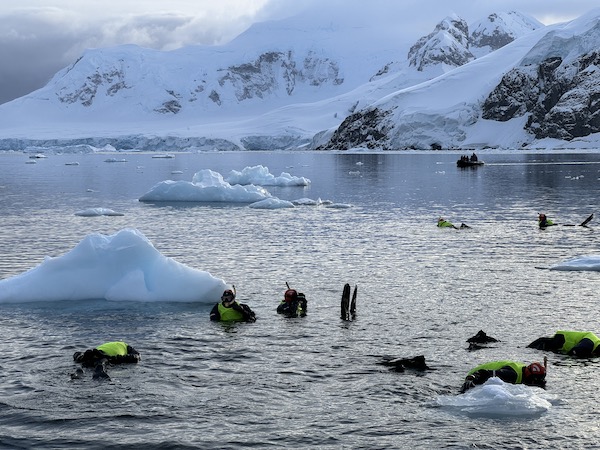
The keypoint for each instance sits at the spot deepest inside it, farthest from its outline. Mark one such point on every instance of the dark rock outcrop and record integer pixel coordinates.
(561, 99)
(362, 129)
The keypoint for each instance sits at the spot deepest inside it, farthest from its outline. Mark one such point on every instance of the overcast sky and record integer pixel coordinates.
(40, 37)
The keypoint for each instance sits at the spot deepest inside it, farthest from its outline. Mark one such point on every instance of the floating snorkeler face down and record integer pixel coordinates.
(535, 374)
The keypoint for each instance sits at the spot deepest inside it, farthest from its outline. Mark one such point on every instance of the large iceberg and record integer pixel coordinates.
(121, 267)
(206, 186)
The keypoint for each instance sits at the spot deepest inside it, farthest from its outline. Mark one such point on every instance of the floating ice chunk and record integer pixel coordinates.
(590, 263)
(339, 206)
(114, 160)
(206, 186)
(91, 212)
(261, 176)
(272, 203)
(121, 267)
(310, 202)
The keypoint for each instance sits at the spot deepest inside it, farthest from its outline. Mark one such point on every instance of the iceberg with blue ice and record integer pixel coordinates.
(589, 263)
(121, 267)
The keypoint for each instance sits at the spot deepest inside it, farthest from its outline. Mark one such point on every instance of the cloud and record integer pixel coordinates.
(37, 41)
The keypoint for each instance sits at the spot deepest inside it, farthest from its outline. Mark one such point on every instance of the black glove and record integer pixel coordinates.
(468, 384)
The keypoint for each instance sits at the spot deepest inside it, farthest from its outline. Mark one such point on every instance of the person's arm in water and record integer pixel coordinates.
(248, 314)
(506, 374)
(214, 313)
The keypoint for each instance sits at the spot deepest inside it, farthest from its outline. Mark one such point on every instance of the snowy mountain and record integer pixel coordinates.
(315, 81)
(538, 89)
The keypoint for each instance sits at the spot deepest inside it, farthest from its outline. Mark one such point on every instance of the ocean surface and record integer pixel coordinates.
(318, 381)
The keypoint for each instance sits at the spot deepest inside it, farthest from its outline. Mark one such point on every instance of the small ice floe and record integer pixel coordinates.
(305, 202)
(496, 398)
(272, 203)
(177, 172)
(310, 202)
(90, 190)
(74, 163)
(354, 172)
(164, 156)
(31, 161)
(38, 156)
(359, 163)
(589, 263)
(339, 206)
(114, 160)
(93, 212)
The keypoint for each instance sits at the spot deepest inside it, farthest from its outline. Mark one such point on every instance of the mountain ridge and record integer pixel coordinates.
(299, 94)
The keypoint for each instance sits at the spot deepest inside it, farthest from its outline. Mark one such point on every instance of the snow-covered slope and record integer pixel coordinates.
(542, 86)
(316, 80)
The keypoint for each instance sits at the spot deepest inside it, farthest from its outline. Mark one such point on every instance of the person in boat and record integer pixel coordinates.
(474, 157)
(101, 357)
(580, 344)
(228, 310)
(293, 304)
(512, 372)
(543, 221)
(443, 223)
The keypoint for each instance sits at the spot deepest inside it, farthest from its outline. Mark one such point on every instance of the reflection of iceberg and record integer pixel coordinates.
(591, 262)
(260, 175)
(121, 267)
(206, 186)
(496, 398)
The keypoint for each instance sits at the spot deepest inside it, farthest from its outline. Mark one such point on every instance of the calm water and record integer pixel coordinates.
(312, 382)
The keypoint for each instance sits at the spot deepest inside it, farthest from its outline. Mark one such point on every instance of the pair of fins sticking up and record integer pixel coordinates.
(348, 308)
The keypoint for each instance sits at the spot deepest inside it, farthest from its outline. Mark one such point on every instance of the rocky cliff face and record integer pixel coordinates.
(500, 29)
(270, 74)
(450, 45)
(453, 44)
(561, 99)
(106, 81)
(273, 71)
(447, 44)
(364, 129)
